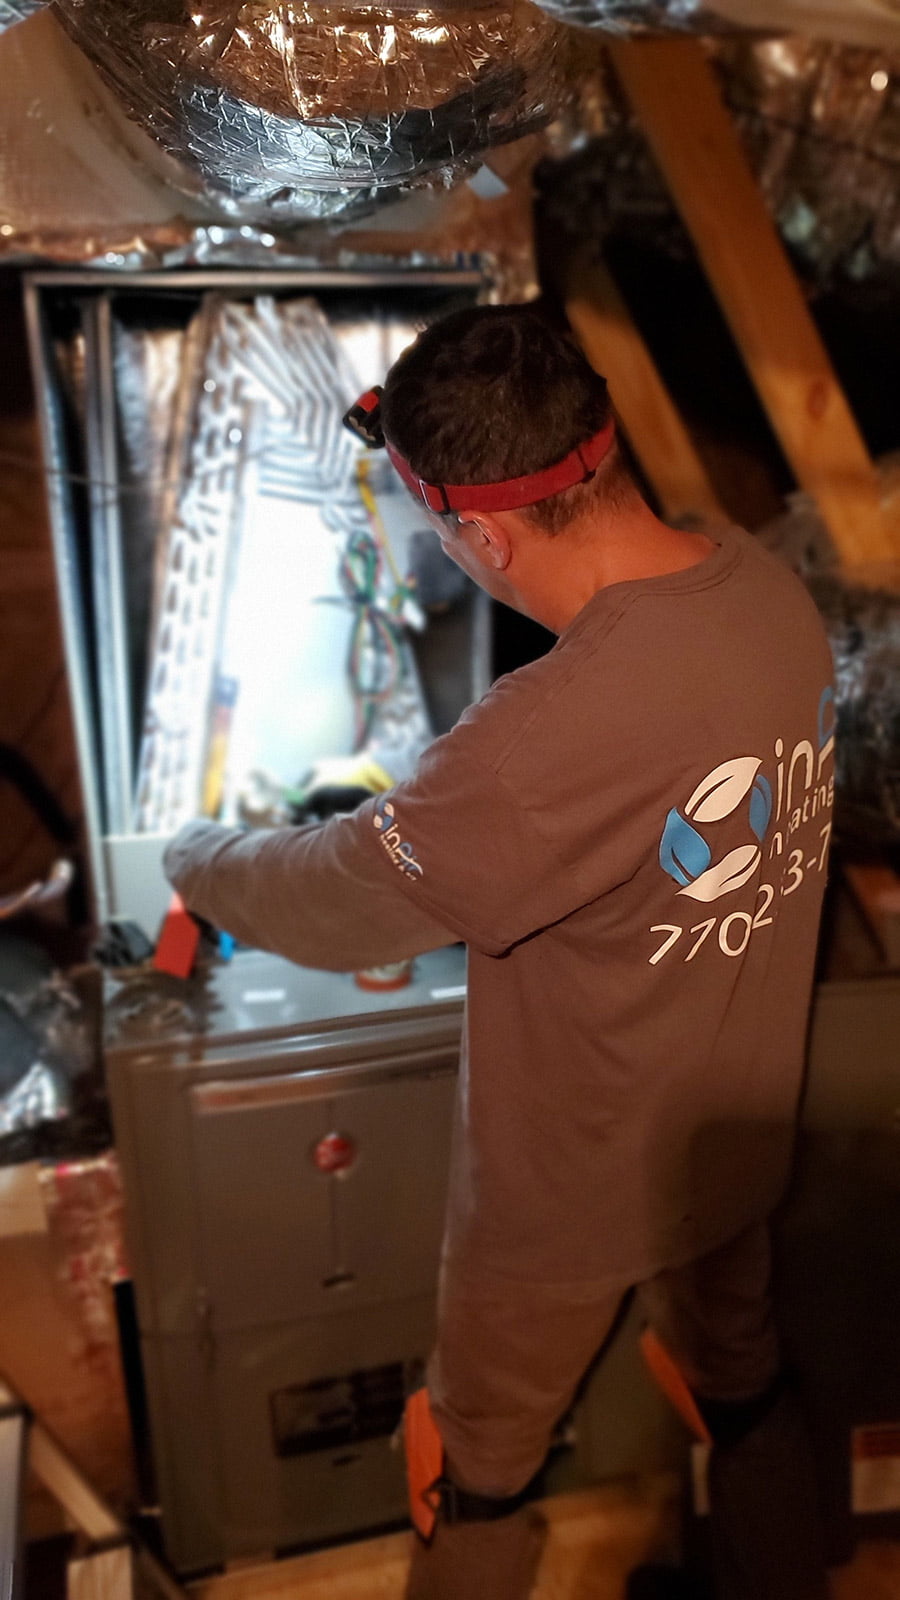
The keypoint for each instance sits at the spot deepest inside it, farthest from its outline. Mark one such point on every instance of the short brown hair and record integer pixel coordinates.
(495, 392)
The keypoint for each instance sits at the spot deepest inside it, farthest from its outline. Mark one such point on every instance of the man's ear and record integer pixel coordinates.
(488, 539)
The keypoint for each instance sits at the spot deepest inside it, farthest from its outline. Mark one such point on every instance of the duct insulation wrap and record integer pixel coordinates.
(861, 612)
(821, 125)
(634, 16)
(864, 628)
(863, 22)
(289, 111)
(12, 11)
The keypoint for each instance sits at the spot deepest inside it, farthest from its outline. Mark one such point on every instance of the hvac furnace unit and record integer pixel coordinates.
(286, 1187)
(285, 1163)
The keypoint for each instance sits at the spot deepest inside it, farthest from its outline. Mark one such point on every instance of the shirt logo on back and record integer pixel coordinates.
(684, 852)
(787, 827)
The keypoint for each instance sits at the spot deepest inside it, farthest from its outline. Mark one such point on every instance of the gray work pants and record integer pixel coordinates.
(508, 1360)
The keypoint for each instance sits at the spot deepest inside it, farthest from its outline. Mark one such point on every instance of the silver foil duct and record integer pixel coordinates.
(874, 24)
(634, 16)
(864, 628)
(821, 125)
(12, 11)
(862, 617)
(287, 111)
(863, 22)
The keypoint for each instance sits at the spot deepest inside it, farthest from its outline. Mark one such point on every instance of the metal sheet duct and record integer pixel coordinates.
(286, 111)
(12, 11)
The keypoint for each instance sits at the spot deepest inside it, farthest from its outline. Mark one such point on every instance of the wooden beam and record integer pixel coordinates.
(615, 347)
(105, 1576)
(677, 101)
(69, 1486)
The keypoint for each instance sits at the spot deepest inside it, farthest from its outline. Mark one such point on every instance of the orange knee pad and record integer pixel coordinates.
(424, 1462)
(671, 1380)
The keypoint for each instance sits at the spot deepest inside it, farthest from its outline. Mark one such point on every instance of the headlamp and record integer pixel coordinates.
(364, 420)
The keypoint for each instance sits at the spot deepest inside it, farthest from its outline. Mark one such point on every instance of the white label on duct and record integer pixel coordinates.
(264, 997)
(487, 184)
(456, 993)
(875, 1468)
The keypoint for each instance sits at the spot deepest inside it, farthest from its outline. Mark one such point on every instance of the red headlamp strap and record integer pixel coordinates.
(579, 465)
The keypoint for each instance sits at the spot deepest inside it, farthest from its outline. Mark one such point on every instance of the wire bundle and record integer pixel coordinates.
(375, 663)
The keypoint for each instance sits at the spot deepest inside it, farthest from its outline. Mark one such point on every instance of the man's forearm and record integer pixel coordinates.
(315, 895)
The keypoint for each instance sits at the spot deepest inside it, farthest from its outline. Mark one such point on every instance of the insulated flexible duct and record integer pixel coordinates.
(296, 110)
(821, 125)
(863, 22)
(633, 16)
(862, 618)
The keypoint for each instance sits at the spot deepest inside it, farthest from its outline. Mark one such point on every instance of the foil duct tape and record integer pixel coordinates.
(294, 110)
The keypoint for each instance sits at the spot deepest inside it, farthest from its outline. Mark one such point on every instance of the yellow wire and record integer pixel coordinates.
(375, 517)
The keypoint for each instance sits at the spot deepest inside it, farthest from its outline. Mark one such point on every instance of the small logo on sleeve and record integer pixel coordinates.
(399, 850)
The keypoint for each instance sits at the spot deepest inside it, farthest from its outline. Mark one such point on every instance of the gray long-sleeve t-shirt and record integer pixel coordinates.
(631, 836)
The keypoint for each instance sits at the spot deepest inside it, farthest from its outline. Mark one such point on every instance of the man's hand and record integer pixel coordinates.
(321, 895)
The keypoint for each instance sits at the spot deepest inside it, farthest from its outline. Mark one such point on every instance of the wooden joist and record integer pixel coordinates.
(677, 101)
(615, 347)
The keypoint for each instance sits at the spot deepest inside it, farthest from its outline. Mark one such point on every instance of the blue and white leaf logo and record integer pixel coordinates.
(684, 852)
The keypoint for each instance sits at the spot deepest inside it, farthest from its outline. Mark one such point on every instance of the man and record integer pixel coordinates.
(630, 834)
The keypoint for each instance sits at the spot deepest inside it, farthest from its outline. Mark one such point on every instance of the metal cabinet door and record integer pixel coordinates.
(280, 1239)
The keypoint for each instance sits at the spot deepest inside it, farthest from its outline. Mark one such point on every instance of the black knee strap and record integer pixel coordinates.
(461, 1505)
(729, 1421)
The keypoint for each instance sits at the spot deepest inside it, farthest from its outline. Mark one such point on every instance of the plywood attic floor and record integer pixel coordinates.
(594, 1538)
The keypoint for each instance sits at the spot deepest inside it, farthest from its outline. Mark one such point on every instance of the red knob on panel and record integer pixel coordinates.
(335, 1153)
